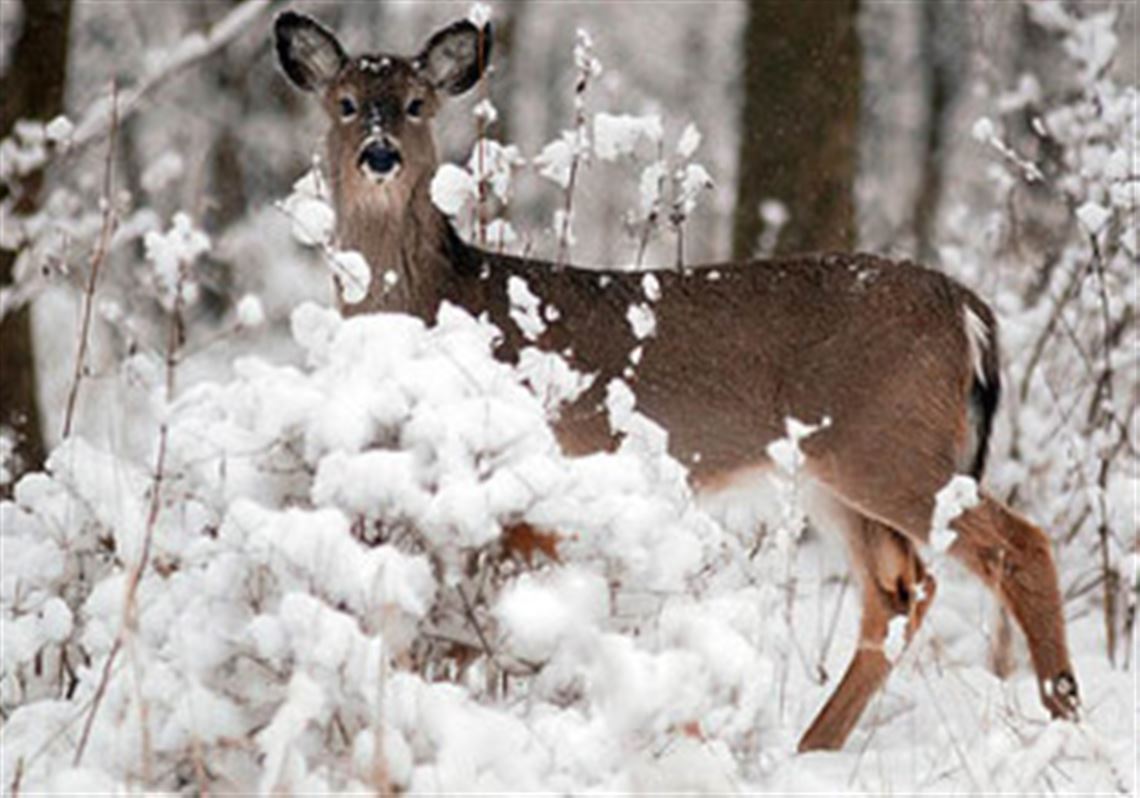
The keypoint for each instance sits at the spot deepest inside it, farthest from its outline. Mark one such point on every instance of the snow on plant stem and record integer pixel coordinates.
(313, 219)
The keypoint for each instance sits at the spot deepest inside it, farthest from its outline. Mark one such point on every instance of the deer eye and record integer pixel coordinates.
(415, 108)
(347, 108)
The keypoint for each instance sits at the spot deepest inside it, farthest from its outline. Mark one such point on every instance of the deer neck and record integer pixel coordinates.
(411, 249)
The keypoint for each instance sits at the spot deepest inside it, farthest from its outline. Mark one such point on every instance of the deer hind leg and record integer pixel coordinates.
(895, 584)
(1014, 558)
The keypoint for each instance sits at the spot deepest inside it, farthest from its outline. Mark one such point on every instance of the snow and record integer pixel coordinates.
(162, 171)
(955, 497)
(785, 452)
(453, 189)
(895, 642)
(250, 312)
(172, 254)
(479, 14)
(557, 157)
(1093, 216)
(338, 557)
(490, 163)
(641, 320)
(308, 207)
(501, 235)
(337, 548)
(485, 111)
(694, 179)
(650, 187)
(689, 142)
(651, 287)
(59, 130)
(616, 135)
(352, 274)
(525, 308)
(983, 130)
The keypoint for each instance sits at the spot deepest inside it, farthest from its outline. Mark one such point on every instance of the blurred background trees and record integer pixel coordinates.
(31, 87)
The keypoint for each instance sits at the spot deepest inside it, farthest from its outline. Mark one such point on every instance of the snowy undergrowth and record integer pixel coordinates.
(330, 572)
(378, 570)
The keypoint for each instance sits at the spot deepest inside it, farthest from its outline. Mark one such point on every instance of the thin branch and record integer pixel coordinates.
(100, 690)
(1102, 406)
(190, 51)
(110, 221)
(130, 604)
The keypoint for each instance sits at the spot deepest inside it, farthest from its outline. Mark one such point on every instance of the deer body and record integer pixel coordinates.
(900, 360)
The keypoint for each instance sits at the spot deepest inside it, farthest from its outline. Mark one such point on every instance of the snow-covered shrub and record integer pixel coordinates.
(1070, 329)
(332, 541)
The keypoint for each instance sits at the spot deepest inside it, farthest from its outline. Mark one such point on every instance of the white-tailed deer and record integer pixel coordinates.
(901, 359)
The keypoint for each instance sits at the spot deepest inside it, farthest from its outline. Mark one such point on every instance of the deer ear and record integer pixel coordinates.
(456, 57)
(309, 53)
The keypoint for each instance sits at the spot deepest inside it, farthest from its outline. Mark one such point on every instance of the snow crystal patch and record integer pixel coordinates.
(785, 452)
(983, 130)
(694, 179)
(525, 308)
(479, 15)
(955, 497)
(551, 378)
(308, 208)
(491, 164)
(651, 287)
(618, 135)
(895, 642)
(501, 235)
(1093, 216)
(453, 189)
(250, 312)
(485, 111)
(172, 254)
(59, 130)
(642, 320)
(353, 276)
(555, 160)
(650, 187)
(539, 614)
(689, 142)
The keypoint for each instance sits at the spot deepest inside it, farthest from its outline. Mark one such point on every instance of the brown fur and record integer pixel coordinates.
(879, 347)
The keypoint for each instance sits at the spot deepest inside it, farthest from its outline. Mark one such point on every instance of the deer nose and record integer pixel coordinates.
(379, 159)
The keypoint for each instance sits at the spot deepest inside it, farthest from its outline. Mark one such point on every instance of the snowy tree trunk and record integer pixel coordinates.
(799, 126)
(32, 88)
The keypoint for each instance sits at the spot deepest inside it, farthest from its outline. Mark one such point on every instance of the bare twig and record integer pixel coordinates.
(99, 255)
(586, 64)
(130, 604)
(100, 690)
(480, 146)
(1101, 407)
(189, 52)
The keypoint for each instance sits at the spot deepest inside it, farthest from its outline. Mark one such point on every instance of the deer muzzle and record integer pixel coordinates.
(379, 159)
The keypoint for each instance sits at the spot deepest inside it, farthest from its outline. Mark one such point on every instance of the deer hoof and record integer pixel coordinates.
(1060, 696)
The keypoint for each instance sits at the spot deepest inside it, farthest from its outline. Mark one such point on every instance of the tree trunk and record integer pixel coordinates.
(32, 88)
(799, 126)
(944, 37)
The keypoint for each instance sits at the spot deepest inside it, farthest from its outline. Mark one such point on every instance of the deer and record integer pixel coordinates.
(900, 359)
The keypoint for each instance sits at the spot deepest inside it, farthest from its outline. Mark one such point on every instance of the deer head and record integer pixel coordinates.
(380, 106)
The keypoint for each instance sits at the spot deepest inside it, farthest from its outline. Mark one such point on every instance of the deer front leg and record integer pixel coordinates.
(1014, 558)
(895, 584)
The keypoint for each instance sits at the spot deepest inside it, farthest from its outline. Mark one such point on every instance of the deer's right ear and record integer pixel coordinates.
(308, 51)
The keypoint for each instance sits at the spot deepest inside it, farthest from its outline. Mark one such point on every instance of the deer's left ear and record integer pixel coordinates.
(456, 57)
